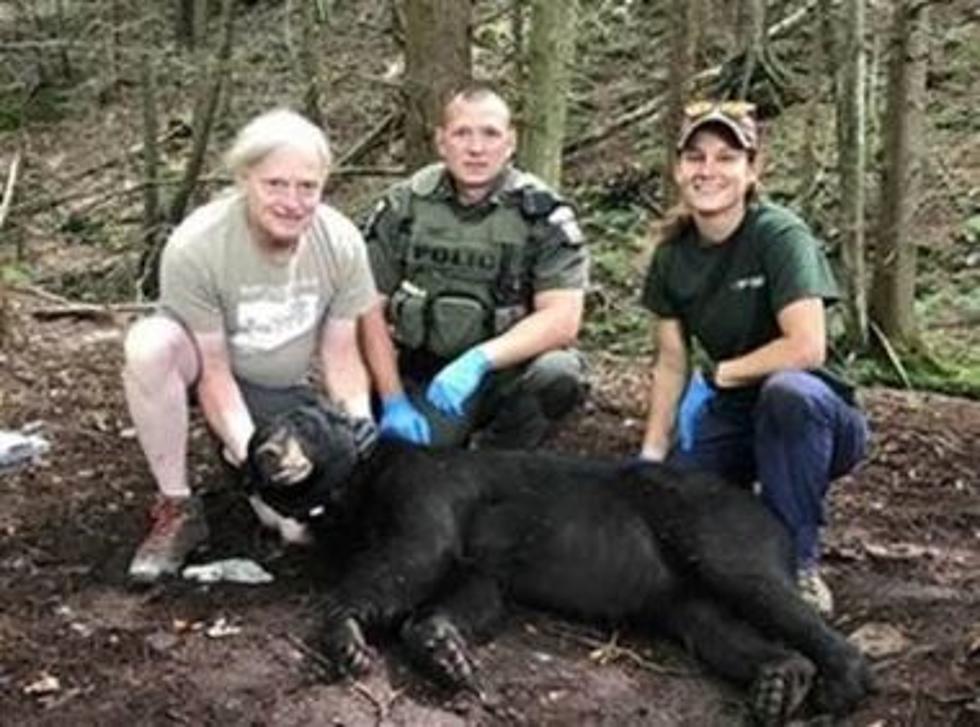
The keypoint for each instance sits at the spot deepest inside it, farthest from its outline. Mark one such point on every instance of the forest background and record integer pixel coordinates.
(113, 117)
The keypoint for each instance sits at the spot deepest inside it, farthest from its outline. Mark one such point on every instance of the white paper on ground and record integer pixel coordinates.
(230, 570)
(17, 449)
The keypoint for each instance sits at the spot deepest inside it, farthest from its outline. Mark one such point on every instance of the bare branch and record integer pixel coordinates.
(123, 155)
(90, 310)
(891, 354)
(367, 141)
(33, 207)
(61, 307)
(8, 191)
(653, 107)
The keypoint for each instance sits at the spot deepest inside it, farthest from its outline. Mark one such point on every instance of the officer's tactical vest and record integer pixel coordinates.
(465, 274)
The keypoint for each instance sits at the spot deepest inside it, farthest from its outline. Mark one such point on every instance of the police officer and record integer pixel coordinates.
(483, 272)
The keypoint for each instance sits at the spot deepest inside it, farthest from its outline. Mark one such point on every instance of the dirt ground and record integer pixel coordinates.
(79, 646)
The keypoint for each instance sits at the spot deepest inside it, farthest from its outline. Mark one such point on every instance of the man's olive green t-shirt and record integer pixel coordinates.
(214, 277)
(728, 295)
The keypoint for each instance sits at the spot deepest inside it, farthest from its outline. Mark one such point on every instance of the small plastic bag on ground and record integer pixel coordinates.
(20, 449)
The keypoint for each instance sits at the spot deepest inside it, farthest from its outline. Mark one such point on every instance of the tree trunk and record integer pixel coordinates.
(151, 164)
(893, 288)
(27, 26)
(114, 41)
(852, 162)
(699, 22)
(184, 23)
(205, 111)
(751, 40)
(518, 25)
(67, 71)
(874, 86)
(437, 60)
(191, 22)
(551, 49)
(742, 11)
(309, 56)
(678, 75)
(755, 73)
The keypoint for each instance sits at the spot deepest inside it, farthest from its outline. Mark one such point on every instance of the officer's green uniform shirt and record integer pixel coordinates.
(458, 274)
(559, 259)
(770, 261)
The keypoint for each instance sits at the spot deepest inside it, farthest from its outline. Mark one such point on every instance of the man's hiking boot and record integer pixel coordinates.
(177, 527)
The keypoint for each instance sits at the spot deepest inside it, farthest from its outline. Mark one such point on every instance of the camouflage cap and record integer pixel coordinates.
(736, 116)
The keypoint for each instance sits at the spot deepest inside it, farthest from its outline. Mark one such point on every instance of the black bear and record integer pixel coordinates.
(440, 540)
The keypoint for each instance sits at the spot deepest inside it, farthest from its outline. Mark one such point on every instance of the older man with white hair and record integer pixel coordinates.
(259, 298)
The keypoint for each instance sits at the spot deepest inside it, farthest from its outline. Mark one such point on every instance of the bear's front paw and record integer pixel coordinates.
(780, 689)
(347, 648)
(438, 646)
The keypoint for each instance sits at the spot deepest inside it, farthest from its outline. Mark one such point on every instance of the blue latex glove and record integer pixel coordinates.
(457, 381)
(401, 420)
(699, 392)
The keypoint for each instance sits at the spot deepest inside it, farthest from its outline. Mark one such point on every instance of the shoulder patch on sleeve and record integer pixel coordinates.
(563, 218)
(537, 203)
(372, 219)
(425, 181)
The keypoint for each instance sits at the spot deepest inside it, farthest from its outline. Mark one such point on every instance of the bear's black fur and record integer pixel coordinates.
(447, 537)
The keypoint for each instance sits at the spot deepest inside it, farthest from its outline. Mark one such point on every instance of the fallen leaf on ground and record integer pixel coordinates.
(879, 640)
(898, 551)
(45, 684)
(222, 628)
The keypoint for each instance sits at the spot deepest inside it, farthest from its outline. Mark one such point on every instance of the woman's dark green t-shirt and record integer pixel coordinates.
(728, 295)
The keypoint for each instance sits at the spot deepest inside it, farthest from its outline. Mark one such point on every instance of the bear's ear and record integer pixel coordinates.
(317, 427)
(328, 434)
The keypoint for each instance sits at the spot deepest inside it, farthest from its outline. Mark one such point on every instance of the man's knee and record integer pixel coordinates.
(557, 379)
(156, 347)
